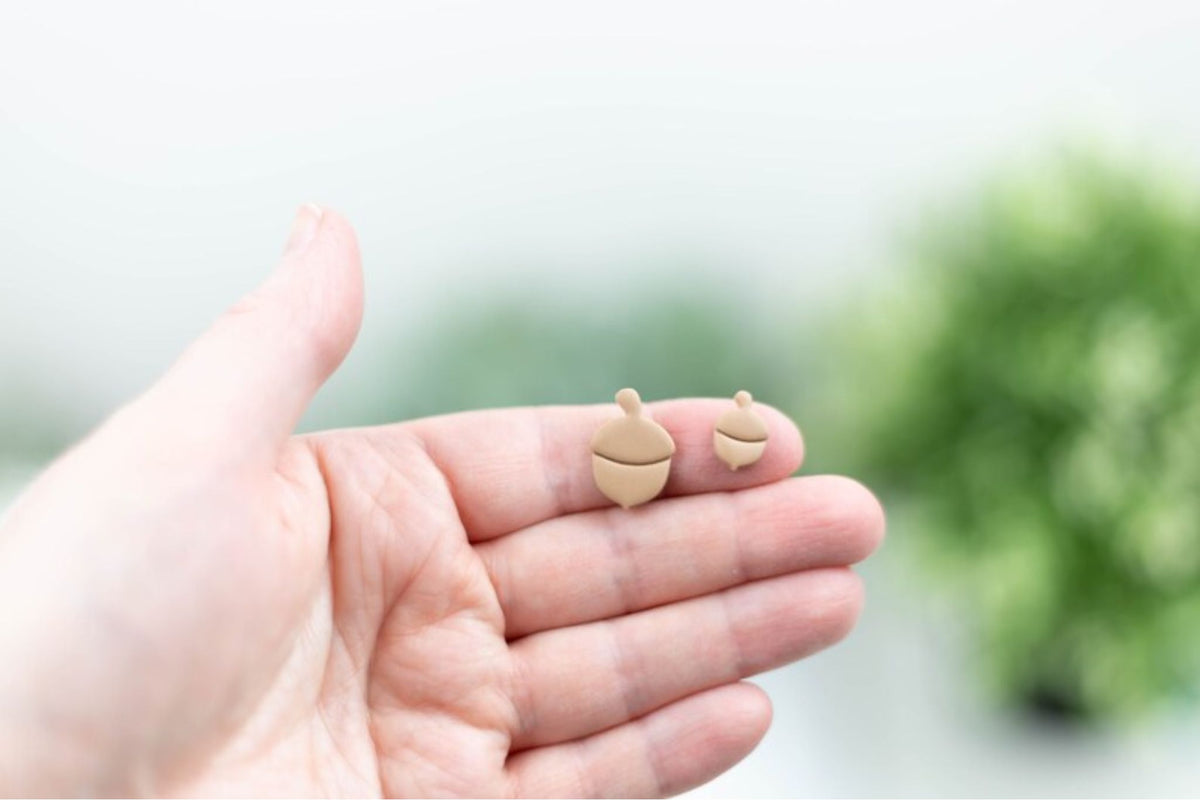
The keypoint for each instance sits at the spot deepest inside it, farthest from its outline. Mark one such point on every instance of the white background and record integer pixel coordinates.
(151, 155)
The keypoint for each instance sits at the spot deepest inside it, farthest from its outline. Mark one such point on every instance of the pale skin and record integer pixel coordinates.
(197, 601)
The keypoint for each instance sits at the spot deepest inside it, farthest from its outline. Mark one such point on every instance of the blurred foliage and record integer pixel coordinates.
(33, 426)
(1029, 393)
(505, 350)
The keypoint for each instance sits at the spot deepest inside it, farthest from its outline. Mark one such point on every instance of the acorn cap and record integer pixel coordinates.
(742, 423)
(632, 439)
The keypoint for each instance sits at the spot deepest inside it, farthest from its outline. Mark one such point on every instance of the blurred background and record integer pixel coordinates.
(959, 242)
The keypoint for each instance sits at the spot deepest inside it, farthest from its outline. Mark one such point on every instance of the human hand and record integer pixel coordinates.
(198, 602)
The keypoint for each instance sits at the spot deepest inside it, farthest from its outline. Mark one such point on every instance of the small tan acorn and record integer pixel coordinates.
(631, 456)
(741, 435)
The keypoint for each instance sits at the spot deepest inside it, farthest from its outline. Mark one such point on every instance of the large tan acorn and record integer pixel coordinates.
(631, 456)
(741, 435)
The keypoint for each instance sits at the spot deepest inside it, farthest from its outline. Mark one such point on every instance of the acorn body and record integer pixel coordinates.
(631, 456)
(630, 485)
(735, 452)
(740, 437)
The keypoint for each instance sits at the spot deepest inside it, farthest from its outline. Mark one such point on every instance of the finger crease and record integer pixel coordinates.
(654, 760)
(735, 513)
(583, 776)
(525, 712)
(554, 471)
(739, 663)
(625, 672)
(622, 575)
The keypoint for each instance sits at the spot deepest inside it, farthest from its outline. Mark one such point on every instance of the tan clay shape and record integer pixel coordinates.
(631, 456)
(741, 435)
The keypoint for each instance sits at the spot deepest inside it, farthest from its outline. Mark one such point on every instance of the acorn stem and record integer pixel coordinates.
(630, 402)
(743, 399)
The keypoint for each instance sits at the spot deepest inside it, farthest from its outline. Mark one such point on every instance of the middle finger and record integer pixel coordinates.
(600, 564)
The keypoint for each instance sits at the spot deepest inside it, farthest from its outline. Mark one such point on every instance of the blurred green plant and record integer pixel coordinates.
(521, 349)
(1029, 394)
(33, 426)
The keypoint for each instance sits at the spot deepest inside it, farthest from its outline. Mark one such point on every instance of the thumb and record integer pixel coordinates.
(245, 383)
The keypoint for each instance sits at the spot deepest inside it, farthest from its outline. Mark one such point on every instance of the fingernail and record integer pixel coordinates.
(304, 229)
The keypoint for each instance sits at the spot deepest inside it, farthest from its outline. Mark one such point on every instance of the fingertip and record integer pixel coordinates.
(251, 375)
(746, 714)
(752, 712)
(785, 437)
(839, 593)
(703, 736)
(325, 281)
(845, 510)
(339, 235)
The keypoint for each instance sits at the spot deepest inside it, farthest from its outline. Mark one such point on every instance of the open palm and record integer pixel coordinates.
(209, 605)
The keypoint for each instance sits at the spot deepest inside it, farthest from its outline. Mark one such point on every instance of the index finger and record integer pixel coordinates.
(511, 468)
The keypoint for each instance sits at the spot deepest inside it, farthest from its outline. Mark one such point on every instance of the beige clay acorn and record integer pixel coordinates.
(631, 456)
(741, 435)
